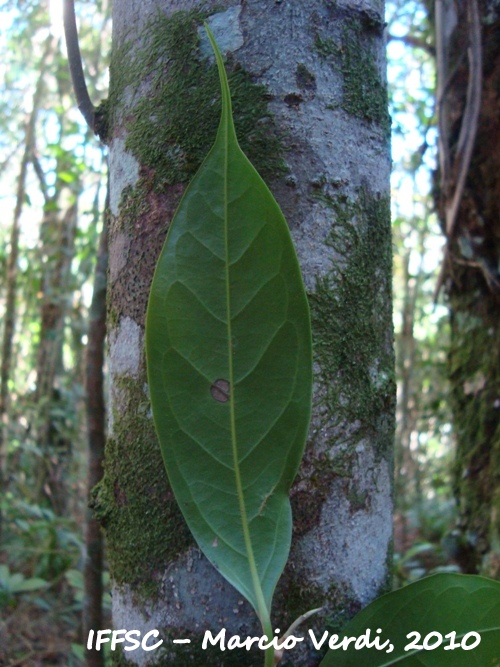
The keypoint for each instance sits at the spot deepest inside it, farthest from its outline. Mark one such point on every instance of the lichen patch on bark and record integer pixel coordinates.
(329, 553)
(123, 172)
(177, 610)
(226, 29)
(125, 349)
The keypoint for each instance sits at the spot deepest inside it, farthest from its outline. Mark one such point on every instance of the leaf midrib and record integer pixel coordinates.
(225, 129)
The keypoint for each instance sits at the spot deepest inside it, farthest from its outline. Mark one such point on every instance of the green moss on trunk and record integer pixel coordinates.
(173, 124)
(351, 312)
(474, 368)
(364, 92)
(133, 501)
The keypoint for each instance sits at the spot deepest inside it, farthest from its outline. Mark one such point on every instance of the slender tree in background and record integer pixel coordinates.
(92, 616)
(407, 470)
(468, 60)
(57, 248)
(93, 563)
(310, 105)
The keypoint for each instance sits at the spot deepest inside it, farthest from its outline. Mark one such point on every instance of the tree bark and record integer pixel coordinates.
(57, 248)
(96, 416)
(472, 278)
(309, 96)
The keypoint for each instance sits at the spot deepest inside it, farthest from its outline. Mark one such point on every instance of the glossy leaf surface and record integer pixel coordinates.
(229, 365)
(442, 603)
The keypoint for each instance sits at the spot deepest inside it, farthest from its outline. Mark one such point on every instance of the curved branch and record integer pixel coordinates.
(468, 128)
(467, 136)
(40, 175)
(442, 77)
(75, 64)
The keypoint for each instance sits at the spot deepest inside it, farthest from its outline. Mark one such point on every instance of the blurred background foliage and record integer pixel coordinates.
(424, 503)
(53, 188)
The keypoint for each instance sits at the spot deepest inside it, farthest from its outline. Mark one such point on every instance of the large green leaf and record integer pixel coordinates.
(442, 603)
(229, 366)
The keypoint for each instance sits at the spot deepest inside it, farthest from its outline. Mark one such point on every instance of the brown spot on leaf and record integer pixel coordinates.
(221, 391)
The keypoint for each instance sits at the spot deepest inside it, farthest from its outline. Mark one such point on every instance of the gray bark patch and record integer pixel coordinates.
(123, 171)
(126, 348)
(353, 530)
(227, 32)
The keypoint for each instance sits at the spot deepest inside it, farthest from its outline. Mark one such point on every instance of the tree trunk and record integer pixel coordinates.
(96, 417)
(309, 98)
(472, 279)
(57, 248)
